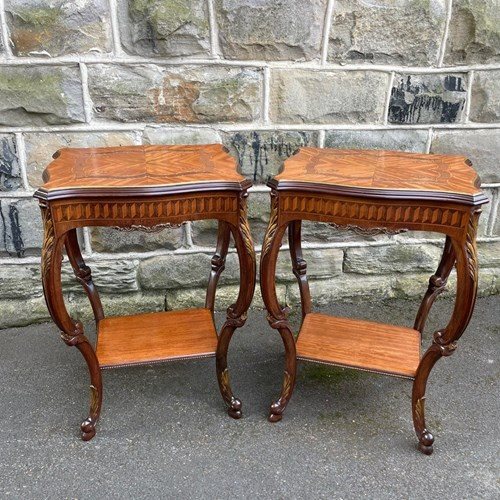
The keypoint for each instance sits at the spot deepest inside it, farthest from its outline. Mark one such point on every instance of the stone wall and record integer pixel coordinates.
(263, 77)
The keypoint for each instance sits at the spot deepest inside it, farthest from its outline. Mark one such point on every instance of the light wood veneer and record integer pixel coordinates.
(360, 344)
(153, 337)
(130, 170)
(381, 174)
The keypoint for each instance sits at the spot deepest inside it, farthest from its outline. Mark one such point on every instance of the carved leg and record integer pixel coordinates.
(299, 265)
(444, 341)
(83, 273)
(276, 315)
(71, 331)
(437, 284)
(237, 313)
(218, 263)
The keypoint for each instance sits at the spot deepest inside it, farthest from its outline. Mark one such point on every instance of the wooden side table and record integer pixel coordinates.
(144, 187)
(374, 191)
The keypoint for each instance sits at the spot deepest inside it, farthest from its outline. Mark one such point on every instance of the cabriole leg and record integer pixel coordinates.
(71, 331)
(83, 273)
(276, 315)
(299, 265)
(237, 313)
(444, 341)
(218, 263)
(437, 284)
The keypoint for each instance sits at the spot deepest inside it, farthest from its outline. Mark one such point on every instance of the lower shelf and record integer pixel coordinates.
(359, 344)
(159, 336)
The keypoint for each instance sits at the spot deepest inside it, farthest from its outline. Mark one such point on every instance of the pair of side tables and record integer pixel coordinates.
(143, 187)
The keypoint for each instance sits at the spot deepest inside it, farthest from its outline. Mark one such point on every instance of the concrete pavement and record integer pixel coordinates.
(164, 431)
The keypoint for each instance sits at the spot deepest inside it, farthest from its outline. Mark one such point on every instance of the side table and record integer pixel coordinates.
(145, 187)
(373, 191)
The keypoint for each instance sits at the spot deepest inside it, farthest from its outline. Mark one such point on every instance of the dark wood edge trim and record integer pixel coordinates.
(384, 194)
(184, 357)
(353, 367)
(144, 191)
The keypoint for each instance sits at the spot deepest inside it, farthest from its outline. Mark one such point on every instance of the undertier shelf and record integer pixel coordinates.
(153, 337)
(365, 345)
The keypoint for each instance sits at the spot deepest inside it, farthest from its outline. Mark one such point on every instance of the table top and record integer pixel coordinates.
(381, 174)
(140, 171)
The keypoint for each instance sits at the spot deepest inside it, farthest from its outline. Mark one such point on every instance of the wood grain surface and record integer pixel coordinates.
(359, 344)
(144, 338)
(129, 170)
(381, 174)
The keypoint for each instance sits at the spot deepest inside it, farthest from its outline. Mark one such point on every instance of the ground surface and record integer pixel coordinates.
(164, 432)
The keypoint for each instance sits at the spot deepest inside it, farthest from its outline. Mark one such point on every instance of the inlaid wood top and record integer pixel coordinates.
(382, 174)
(140, 170)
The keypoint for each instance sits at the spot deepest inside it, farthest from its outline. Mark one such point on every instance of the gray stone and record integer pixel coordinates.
(391, 259)
(485, 97)
(489, 254)
(59, 27)
(321, 263)
(165, 135)
(261, 153)
(21, 231)
(319, 232)
(270, 30)
(166, 28)
(482, 147)
(182, 271)
(380, 32)
(327, 292)
(305, 96)
(40, 146)
(408, 237)
(489, 282)
(474, 34)
(204, 233)
(175, 94)
(400, 140)
(409, 285)
(259, 206)
(427, 98)
(115, 304)
(40, 95)
(20, 281)
(495, 226)
(109, 276)
(486, 211)
(225, 296)
(22, 312)
(10, 173)
(258, 215)
(106, 239)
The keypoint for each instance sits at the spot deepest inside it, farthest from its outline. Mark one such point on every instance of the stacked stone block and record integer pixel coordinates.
(264, 78)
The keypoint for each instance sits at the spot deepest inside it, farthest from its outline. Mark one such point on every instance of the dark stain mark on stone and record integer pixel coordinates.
(4, 228)
(10, 177)
(437, 100)
(15, 229)
(258, 152)
(12, 238)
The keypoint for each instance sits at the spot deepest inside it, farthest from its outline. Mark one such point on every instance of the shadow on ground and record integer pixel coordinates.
(164, 431)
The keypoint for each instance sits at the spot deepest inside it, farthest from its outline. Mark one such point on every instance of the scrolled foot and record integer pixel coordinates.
(88, 429)
(234, 410)
(276, 413)
(425, 443)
